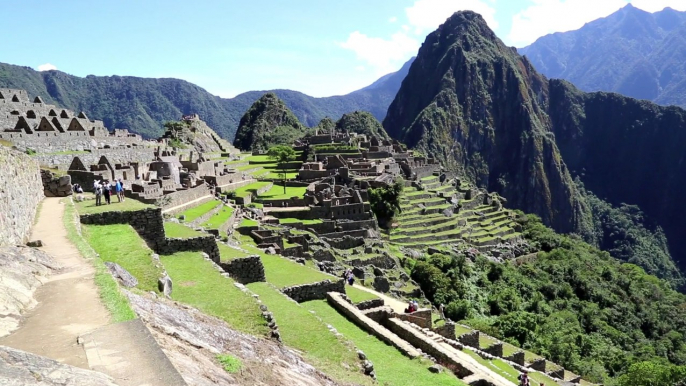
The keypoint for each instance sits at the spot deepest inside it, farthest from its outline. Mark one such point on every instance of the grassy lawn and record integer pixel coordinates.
(246, 222)
(276, 192)
(357, 295)
(122, 245)
(391, 366)
(180, 231)
(260, 159)
(227, 253)
(113, 299)
(283, 272)
(304, 331)
(219, 218)
(197, 211)
(250, 188)
(88, 206)
(497, 366)
(286, 221)
(198, 283)
(460, 330)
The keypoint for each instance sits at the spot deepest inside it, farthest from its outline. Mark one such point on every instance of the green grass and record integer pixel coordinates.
(250, 188)
(304, 331)
(180, 231)
(230, 363)
(289, 220)
(460, 330)
(227, 253)
(110, 294)
(276, 192)
(193, 213)
(486, 341)
(219, 218)
(497, 366)
(390, 365)
(121, 244)
(283, 272)
(198, 283)
(357, 295)
(88, 206)
(260, 159)
(246, 222)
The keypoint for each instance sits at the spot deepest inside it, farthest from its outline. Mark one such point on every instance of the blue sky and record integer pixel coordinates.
(320, 47)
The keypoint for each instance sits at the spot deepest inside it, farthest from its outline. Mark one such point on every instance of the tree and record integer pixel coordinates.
(385, 201)
(282, 155)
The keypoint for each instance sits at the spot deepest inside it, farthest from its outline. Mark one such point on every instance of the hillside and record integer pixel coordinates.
(142, 105)
(484, 111)
(267, 122)
(632, 52)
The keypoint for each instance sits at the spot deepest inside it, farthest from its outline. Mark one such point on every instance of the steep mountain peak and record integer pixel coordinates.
(267, 122)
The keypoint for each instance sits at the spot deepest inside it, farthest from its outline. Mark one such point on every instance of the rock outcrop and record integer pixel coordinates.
(191, 340)
(361, 122)
(20, 368)
(22, 270)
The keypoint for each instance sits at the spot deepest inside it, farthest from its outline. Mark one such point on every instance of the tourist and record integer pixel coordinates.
(523, 379)
(119, 189)
(106, 191)
(97, 189)
(441, 309)
(351, 279)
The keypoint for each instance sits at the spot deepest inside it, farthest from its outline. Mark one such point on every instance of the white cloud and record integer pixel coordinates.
(387, 55)
(383, 55)
(548, 16)
(46, 67)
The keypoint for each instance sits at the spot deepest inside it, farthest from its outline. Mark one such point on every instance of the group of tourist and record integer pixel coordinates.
(77, 188)
(525, 381)
(349, 277)
(106, 189)
(412, 306)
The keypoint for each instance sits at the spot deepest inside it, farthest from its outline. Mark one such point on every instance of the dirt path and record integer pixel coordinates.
(68, 303)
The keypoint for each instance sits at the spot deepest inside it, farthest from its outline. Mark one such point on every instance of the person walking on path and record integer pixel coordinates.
(118, 189)
(106, 191)
(121, 184)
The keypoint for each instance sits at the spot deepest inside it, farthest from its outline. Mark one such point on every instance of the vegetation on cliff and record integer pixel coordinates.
(361, 122)
(268, 122)
(572, 303)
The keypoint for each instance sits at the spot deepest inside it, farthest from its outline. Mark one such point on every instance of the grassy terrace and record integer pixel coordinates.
(88, 206)
(286, 221)
(302, 330)
(219, 218)
(357, 295)
(246, 222)
(391, 367)
(121, 244)
(197, 211)
(180, 231)
(277, 192)
(227, 253)
(198, 283)
(251, 188)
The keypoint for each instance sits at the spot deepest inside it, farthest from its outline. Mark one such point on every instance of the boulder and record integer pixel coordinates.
(34, 244)
(381, 284)
(436, 369)
(122, 275)
(164, 285)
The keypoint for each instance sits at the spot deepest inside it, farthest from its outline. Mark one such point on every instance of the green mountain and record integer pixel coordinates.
(268, 122)
(142, 105)
(484, 111)
(632, 52)
(361, 122)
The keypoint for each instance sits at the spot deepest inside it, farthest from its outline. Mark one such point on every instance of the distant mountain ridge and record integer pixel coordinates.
(142, 105)
(631, 52)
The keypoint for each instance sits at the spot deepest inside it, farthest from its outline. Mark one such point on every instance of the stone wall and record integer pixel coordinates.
(140, 154)
(421, 317)
(314, 291)
(470, 339)
(22, 190)
(54, 186)
(149, 224)
(447, 330)
(369, 304)
(338, 302)
(245, 270)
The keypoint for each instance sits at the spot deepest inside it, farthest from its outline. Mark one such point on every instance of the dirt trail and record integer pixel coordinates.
(69, 307)
(68, 303)
(397, 305)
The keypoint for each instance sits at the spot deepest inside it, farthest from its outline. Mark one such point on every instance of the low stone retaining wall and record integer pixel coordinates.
(369, 304)
(206, 244)
(314, 291)
(447, 330)
(54, 186)
(181, 197)
(421, 317)
(424, 343)
(337, 301)
(245, 270)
